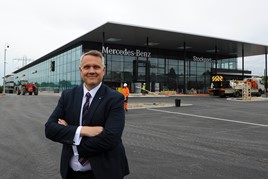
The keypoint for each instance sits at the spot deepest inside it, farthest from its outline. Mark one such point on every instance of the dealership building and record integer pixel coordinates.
(163, 60)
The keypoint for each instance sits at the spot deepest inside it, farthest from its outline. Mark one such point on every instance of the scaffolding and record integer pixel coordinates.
(246, 91)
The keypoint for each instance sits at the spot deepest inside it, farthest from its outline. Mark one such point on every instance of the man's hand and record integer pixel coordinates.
(91, 131)
(62, 122)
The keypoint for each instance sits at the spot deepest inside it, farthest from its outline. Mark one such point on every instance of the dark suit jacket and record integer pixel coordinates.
(105, 151)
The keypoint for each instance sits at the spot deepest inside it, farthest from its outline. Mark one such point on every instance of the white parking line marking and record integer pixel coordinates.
(213, 118)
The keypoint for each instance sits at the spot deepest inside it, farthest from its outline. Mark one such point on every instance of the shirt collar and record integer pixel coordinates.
(92, 91)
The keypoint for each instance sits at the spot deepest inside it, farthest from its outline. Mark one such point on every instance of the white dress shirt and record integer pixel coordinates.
(74, 163)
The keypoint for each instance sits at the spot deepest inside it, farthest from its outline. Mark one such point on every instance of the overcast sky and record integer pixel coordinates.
(33, 28)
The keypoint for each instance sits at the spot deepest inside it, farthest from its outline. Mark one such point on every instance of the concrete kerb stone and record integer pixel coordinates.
(249, 100)
(135, 105)
(152, 105)
(48, 93)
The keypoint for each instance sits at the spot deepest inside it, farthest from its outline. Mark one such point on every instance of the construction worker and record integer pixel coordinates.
(125, 92)
(143, 89)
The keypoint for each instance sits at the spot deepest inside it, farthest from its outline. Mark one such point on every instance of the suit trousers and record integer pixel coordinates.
(80, 175)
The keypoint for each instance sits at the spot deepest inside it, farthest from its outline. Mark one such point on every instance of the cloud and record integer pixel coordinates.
(34, 28)
(256, 64)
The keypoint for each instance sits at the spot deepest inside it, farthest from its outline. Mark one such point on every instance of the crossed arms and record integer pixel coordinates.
(88, 131)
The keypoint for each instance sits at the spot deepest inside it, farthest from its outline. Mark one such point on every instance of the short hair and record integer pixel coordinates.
(95, 53)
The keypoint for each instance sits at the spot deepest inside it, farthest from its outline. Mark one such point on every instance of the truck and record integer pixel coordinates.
(216, 84)
(25, 87)
(236, 88)
(9, 84)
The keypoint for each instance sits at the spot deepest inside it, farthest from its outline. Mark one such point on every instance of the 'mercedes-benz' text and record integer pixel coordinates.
(126, 52)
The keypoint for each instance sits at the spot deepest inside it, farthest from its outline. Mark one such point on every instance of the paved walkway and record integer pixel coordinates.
(141, 105)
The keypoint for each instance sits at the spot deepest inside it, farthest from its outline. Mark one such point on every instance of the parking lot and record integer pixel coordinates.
(207, 137)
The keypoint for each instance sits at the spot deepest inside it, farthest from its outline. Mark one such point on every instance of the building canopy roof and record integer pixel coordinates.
(163, 39)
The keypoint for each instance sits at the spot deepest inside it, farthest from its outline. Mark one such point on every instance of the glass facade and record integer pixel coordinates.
(65, 74)
(163, 70)
(228, 63)
(166, 73)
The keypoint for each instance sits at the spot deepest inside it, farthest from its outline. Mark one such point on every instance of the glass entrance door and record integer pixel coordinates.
(140, 70)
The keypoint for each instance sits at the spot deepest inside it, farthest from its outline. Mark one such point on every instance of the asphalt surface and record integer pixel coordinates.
(207, 137)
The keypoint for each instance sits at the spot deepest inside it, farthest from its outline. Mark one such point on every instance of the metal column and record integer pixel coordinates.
(265, 74)
(216, 60)
(184, 67)
(102, 46)
(4, 79)
(147, 72)
(243, 64)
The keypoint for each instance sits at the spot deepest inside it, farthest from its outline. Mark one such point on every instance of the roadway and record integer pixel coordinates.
(207, 137)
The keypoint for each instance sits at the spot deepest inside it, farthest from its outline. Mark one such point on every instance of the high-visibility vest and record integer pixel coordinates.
(125, 91)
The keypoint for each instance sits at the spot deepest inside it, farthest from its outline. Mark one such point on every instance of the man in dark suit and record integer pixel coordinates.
(89, 121)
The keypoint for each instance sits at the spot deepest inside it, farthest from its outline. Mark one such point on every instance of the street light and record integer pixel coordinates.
(4, 79)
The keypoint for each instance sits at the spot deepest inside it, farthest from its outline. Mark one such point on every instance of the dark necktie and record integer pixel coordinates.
(83, 160)
(85, 108)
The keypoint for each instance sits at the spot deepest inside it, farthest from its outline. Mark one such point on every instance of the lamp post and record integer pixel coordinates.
(4, 79)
